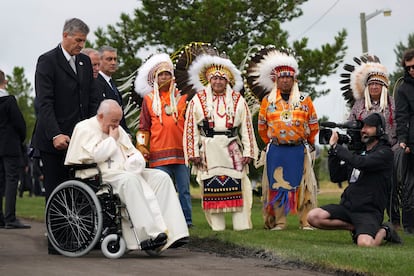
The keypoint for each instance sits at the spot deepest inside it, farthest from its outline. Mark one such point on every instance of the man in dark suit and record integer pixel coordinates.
(64, 87)
(64, 96)
(12, 135)
(105, 85)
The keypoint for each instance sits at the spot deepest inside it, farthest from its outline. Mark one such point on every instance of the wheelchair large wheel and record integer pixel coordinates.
(73, 218)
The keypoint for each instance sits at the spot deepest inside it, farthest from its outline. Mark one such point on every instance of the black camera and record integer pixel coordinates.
(352, 138)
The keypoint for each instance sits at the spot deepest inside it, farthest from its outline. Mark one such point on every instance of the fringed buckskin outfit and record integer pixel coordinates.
(219, 131)
(226, 186)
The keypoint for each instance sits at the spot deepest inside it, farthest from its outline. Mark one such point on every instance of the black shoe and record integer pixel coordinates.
(16, 224)
(152, 244)
(190, 225)
(180, 242)
(392, 235)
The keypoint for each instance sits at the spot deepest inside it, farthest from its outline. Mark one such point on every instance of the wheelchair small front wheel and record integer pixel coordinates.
(113, 246)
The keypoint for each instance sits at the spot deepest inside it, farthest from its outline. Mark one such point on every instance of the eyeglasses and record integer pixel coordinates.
(409, 67)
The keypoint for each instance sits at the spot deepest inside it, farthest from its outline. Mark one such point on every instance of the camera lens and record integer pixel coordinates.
(324, 136)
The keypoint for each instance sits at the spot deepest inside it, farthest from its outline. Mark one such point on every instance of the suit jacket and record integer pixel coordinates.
(12, 127)
(104, 90)
(63, 98)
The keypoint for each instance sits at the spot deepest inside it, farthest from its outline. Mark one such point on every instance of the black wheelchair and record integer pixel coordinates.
(79, 217)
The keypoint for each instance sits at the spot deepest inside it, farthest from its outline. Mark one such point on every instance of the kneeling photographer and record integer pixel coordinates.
(369, 172)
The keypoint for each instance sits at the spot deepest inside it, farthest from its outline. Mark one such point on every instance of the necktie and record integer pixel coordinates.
(115, 90)
(72, 63)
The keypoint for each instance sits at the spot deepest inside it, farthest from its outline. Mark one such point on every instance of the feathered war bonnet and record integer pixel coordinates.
(265, 66)
(195, 65)
(197, 62)
(147, 81)
(368, 70)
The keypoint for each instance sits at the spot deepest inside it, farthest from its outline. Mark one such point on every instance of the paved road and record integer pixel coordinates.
(23, 252)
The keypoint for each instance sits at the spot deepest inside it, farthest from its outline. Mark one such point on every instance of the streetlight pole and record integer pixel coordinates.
(364, 18)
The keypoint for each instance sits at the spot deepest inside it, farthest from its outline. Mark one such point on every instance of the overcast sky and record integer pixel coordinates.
(383, 33)
(32, 27)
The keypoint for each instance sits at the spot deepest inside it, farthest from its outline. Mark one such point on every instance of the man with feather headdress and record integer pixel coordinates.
(219, 137)
(288, 124)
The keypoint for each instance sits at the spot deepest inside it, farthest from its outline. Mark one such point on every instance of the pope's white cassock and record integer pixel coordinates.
(148, 194)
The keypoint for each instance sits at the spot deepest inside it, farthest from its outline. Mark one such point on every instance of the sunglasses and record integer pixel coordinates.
(409, 67)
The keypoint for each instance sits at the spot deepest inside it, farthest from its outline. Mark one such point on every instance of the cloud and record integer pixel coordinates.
(383, 33)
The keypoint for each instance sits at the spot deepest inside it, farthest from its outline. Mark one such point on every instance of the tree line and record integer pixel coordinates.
(232, 27)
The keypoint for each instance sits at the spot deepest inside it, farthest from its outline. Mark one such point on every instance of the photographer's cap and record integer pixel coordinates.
(372, 120)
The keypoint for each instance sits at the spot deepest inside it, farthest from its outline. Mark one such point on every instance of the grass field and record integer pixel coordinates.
(331, 250)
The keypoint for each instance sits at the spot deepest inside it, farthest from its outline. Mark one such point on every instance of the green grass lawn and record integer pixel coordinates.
(331, 250)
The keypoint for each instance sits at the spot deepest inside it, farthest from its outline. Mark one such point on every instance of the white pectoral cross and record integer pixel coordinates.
(109, 161)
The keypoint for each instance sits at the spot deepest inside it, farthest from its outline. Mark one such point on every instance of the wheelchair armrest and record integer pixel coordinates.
(73, 168)
(77, 167)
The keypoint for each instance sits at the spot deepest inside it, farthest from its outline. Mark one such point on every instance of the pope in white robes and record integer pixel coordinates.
(149, 194)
